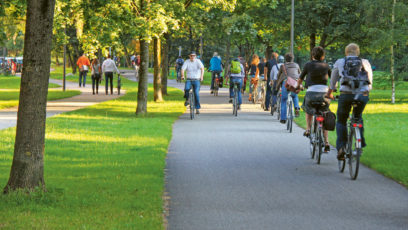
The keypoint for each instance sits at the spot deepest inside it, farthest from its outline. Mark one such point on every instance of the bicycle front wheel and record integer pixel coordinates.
(235, 109)
(119, 85)
(354, 153)
(192, 106)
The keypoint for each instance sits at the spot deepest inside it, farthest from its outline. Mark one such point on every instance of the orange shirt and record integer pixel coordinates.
(83, 61)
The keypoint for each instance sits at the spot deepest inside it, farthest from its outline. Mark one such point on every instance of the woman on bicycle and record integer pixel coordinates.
(288, 69)
(347, 96)
(317, 74)
(253, 75)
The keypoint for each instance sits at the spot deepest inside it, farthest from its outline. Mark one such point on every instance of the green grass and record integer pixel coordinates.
(385, 126)
(109, 174)
(10, 82)
(9, 98)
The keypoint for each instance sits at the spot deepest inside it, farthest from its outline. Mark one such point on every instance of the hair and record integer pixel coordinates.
(318, 53)
(109, 56)
(95, 61)
(255, 60)
(352, 49)
(275, 55)
(289, 57)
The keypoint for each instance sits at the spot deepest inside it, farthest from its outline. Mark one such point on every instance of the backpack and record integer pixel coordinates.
(354, 74)
(180, 62)
(329, 122)
(235, 67)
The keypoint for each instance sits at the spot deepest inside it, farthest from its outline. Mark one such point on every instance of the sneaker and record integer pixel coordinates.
(197, 111)
(297, 112)
(340, 155)
(212, 91)
(230, 101)
(327, 148)
(283, 121)
(306, 133)
(186, 103)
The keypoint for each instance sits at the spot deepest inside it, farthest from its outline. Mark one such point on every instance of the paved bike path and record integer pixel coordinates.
(248, 172)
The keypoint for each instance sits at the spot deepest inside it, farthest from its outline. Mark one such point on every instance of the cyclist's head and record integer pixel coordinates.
(275, 55)
(215, 54)
(289, 57)
(318, 53)
(352, 49)
(179, 56)
(281, 59)
(192, 55)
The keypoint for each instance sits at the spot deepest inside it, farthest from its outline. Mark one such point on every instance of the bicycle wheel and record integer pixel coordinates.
(290, 116)
(235, 111)
(278, 107)
(342, 165)
(312, 138)
(318, 144)
(119, 85)
(216, 86)
(192, 106)
(354, 153)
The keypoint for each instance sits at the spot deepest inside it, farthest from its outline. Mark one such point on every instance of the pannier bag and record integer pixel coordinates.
(329, 122)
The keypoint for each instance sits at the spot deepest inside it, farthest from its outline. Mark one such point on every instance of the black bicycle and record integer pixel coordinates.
(290, 113)
(316, 133)
(119, 84)
(191, 101)
(178, 73)
(353, 147)
(216, 85)
(235, 99)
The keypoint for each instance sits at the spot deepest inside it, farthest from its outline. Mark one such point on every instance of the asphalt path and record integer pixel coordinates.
(248, 172)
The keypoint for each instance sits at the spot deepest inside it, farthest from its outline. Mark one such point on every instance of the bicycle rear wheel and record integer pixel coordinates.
(278, 107)
(354, 153)
(319, 144)
(192, 106)
(290, 116)
(312, 138)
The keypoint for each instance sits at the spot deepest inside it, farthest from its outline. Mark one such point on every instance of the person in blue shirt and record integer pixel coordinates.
(215, 68)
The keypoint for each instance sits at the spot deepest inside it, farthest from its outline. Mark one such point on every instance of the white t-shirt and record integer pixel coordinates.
(193, 69)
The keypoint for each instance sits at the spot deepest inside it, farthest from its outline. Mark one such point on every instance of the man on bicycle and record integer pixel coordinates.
(348, 96)
(215, 68)
(237, 74)
(179, 64)
(195, 74)
(274, 81)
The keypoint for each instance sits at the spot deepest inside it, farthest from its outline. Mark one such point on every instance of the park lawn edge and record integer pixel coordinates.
(55, 194)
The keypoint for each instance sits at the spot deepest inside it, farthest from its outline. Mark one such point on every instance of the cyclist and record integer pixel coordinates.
(195, 74)
(317, 74)
(253, 75)
(268, 68)
(261, 78)
(215, 68)
(179, 64)
(346, 98)
(289, 69)
(274, 80)
(237, 74)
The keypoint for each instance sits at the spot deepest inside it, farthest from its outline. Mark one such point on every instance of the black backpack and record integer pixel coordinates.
(354, 74)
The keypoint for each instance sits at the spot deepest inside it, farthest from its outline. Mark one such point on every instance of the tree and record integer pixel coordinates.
(27, 170)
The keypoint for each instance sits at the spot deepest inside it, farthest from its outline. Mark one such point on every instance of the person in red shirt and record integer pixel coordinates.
(83, 64)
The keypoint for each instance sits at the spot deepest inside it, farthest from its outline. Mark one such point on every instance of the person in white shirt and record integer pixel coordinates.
(194, 69)
(108, 67)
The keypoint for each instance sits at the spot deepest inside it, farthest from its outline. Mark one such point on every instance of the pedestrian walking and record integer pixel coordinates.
(83, 65)
(96, 70)
(108, 67)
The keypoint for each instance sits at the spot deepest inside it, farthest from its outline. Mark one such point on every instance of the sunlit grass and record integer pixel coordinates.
(13, 82)
(9, 98)
(104, 168)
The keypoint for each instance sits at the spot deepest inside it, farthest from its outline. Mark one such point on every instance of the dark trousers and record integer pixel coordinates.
(82, 74)
(108, 76)
(343, 111)
(268, 94)
(95, 82)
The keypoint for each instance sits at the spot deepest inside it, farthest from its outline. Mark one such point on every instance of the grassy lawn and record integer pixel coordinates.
(385, 124)
(10, 92)
(14, 83)
(109, 173)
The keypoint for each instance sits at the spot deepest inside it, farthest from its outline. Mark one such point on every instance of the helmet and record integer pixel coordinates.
(281, 59)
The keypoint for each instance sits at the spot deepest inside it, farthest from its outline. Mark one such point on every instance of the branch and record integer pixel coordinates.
(134, 7)
(187, 3)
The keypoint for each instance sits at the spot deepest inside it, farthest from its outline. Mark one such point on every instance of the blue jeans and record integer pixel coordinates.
(231, 89)
(213, 74)
(82, 74)
(268, 94)
(196, 89)
(343, 111)
(285, 95)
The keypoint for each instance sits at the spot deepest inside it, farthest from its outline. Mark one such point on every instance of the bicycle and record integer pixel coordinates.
(119, 84)
(262, 93)
(316, 132)
(290, 113)
(235, 100)
(353, 147)
(191, 101)
(178, 73)
(216, 83)
(278, 106)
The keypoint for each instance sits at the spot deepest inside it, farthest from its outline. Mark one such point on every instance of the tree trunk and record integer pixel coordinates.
(74, 43)
(127, 57)
(227, 57)
(268, 52)
(157, 72)
(165, 63)
(201, 48)
(143, 78)
(27, 170)
(312, 43)
(323, 40)
(57, 62)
